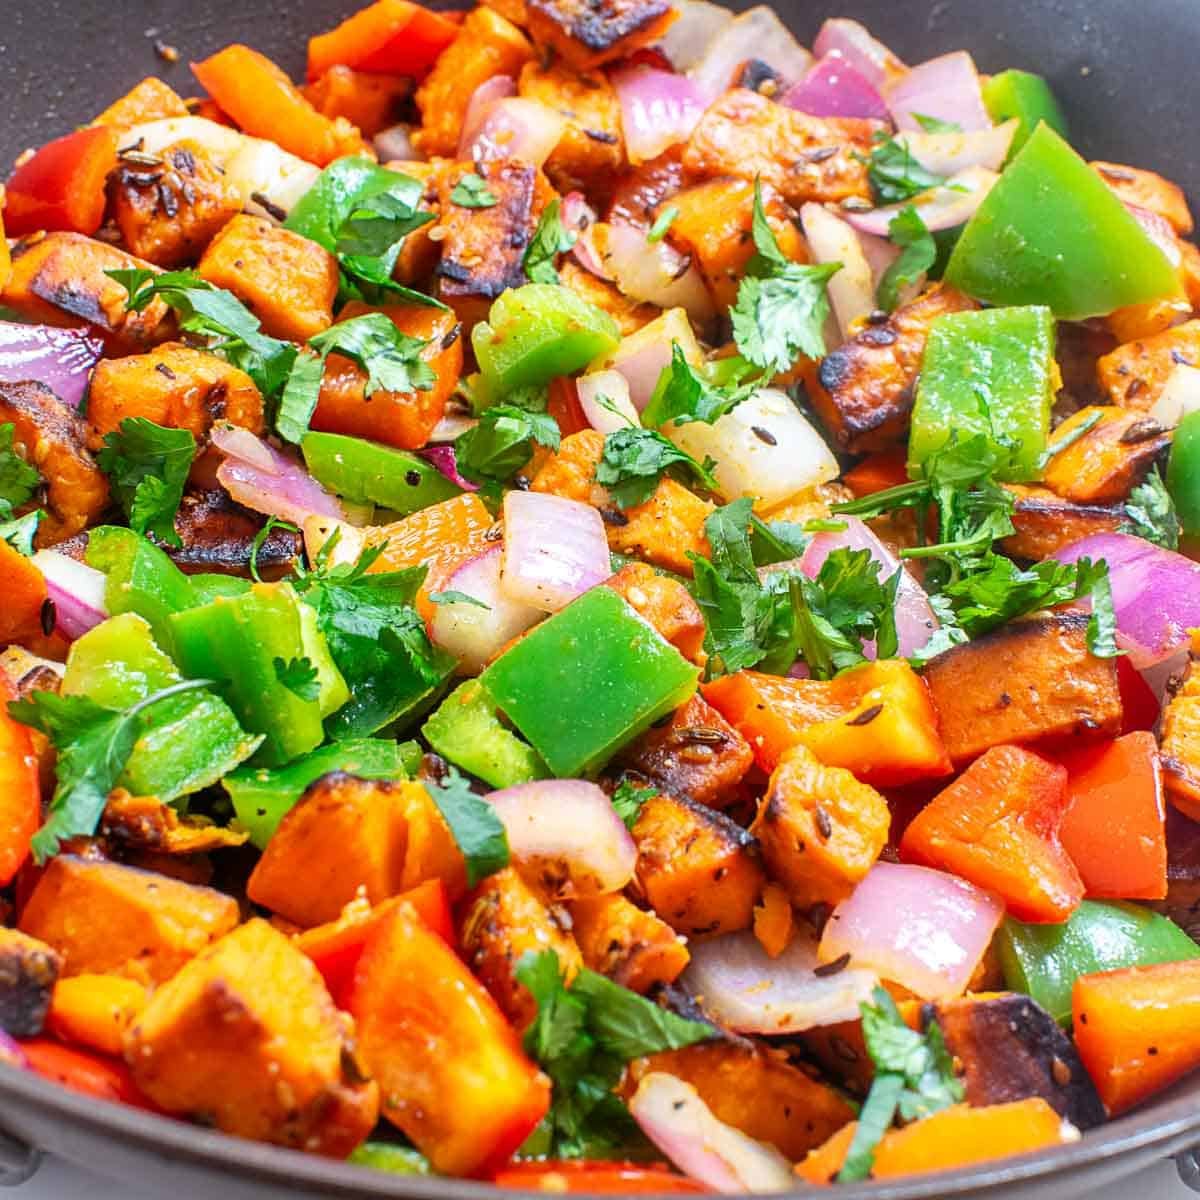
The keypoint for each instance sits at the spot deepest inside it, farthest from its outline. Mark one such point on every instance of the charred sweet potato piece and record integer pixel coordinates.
(145, 823)
(1107, 461)
(1147, 320)
(419, 252)
(60, 279)
(367, 101)
(697, 754)
(591, 152)
(95, 1011)
(666, 604)
(28, 971)
(629, 315)
(696, 868)
(748, 136)
(1033, 682)
(634, 948)
(343, 834)
(754, 1089)
(1134, 375)
(643, 188)
(1045, 522)
(402, 419)
(487, 45)
(1180, 745)
(1150, 191)
(51, 437)
(863, 392)
(173, 385)
(587, 33)
(432, 851)
(504, 919)
(287, 281)
(110, 919)
(169, 212)
(218, 535)
(150, 100)
(246, 1037)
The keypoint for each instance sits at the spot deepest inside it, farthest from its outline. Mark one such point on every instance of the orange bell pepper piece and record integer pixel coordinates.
(597, 1178)
(62, 186)
(23, 587)
(450, 1066)
(1138, 1030)
(82, 1071)
(997, 826)
(565, 408)
(20, 794)
(1114, 826)
(265, 103)
(392, 37)
(878, 472)
(5, 254)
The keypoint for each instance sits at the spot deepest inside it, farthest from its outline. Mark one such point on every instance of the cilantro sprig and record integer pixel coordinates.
(628, 798)
(894, 175)
(550, 239)
(474, 824)
(471, 191)
(18, 479)
(502, 440)
(685, 394)
(918, 252)
(147, 465)
(635, 460)
(1150, 513)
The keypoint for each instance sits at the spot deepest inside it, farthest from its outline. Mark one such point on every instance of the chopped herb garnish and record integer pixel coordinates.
(936, 124)
(501, 442)
(18, 479)
(918, 252)
(662, 223)
(455, 597)
(260, 538)
(147, 466)
(1150, 513)
(477, 829)
(473, 192)
(635, 460)
(299, 676)
(684, 394)
(628, 799)
(550, 239)
(20, 532)
(894, 175)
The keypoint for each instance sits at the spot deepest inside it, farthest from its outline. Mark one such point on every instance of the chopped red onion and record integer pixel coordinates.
(852, 289)
(697, 28)
(758, 34)
(395, 144)
(483, 99)
(853, 41)
(833, 88)
(946, 154)
(940, 208)
(618, 411)
(946, 89)
(517, 128)
(75, 589)
(1179, 397)
(445, 458)
(554, 549)
(653, 272)
(659, 109)
(11, 1053)
(579, 218)
(62, 359)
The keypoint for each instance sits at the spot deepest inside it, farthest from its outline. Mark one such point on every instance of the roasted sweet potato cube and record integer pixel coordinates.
(749, 136)
(1045, 523)
(754, 1089)
(145, 823)
(629, 315)
(696, 868)
(370, 102)
(587, 33)
(287, 281)
(1150, 191)
(1109, 459)
(634, 948)
(150, 100)
(419, 251)
(1180, 745)
(666, 604)
(697, 754)
(96, 1011)
(343, 834)
(167, 214)
(1134, 375)
(109, 919)
(218, 535)
(53, 438)
(486, 46)
(504, 919)
(172, 385)
(246, 1038)
(61, 279)
(28, 972)
(1032, 682)
(643, 188)
(432, 852)
(863, 392)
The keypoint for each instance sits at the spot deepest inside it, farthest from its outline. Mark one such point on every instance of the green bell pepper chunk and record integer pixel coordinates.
(1183, 473)
(1045, 960)
(332, 689)
(209, 585)
(1027, 97)
(342, 187)
(1051, 232)
(388, 1156)
(263, 797)
(368, 473)
(192, 740)
(236, 640)
(989, 372)
(588, 681)
(466, 730)
(537, 332)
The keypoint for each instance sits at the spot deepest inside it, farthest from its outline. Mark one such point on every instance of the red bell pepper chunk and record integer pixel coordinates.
(389, 37)
(565, 408)
(580, 1175)
(62, 186)
(878, 472)
(1114, 829)
(1139, 705)
(82, 1071)
(20, 794)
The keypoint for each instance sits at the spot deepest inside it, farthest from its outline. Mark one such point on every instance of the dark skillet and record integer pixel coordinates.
(1126, 75)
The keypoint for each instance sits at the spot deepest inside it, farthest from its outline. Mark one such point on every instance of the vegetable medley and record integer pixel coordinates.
(597, 600)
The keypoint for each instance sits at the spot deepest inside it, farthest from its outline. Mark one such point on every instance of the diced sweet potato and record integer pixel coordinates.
(643, 188)
(432, 851)
(1150, 191)
(287, 281)
(1134, 375)
(172, 385)
(697, 754)
(487, 45)
(591, 152)
(169, 212)
(218, 535)
(343, 834)
(367, 101)
(698, 870)
(402, 419)
(150, 100)
(419, 252)
(51, 437)
(108, 919)
(61, 279)
(1046, 523)
(634, 948)
(1147, 320)
(1180, 745)
(1189, 270)
(96, 1011)
(1033, 682)
(1107, 461)
(629, 315)
(748, 136)
(666, 604)
(247, 1038)
(28, 971)
(754, 1089)
(864, 390)
(504, 919)
(146, 824)
(588, 33)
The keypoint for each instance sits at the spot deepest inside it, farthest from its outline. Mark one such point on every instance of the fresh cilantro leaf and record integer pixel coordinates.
(635, 460)
(1151, 513)
(94, 744)
(683, 394)
(662, 223)
(1060, 442)
(628, 799)
(477, 829)
(18, 479)
(781, 541)
(473, 192)
(502, 441)
(148, 465)
(936, 124)
(728, 532)
(19, 533)
(918, 252)
(874, 1120)
(894, 175)
(377, 227)
(261, 536)
(299, 676)
(630, 1026)
(550, 239)
(1094, 583)
(454, 597)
